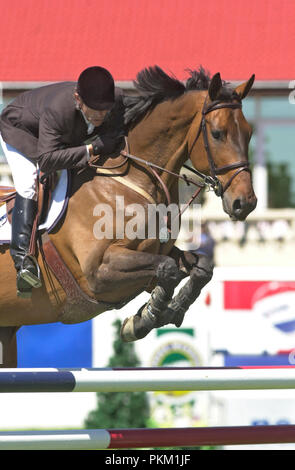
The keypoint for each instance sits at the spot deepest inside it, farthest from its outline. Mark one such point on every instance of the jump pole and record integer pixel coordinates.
(146, 379)
(146, 438)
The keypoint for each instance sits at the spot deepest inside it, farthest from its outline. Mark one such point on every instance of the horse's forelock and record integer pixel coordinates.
(200, 80)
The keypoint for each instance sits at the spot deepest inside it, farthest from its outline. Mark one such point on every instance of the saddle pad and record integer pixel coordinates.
(57, 208)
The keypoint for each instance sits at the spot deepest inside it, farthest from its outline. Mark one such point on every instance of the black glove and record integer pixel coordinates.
(108, 144)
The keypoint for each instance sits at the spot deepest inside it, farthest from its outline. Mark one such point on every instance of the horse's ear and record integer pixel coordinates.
(243, 89)
(214, 87)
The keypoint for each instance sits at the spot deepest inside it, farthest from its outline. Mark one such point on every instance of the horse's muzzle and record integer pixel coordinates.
(241, 207)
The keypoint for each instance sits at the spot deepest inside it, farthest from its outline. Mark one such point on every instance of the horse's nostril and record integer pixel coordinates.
(241, 207)
(237, 205)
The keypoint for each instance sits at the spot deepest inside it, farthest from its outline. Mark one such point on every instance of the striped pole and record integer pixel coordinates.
(146, 379)
(146, 438)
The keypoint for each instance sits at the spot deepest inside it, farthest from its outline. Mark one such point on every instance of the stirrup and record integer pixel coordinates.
(32, 279)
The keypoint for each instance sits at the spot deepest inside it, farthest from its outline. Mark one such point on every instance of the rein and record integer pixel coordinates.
(153, 167)
(211, 182)
(165, 234)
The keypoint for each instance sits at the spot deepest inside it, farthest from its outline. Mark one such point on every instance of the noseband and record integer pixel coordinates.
(212, 181)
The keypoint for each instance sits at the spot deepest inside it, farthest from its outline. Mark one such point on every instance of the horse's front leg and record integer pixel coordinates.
(162, 309)
(126, 272)
(185, 261)
(150, 315)
(123, 272)
(200, 274)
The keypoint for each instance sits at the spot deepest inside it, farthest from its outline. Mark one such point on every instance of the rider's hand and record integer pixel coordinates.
(108, 144)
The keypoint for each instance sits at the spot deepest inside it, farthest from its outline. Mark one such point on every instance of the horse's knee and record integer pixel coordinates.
(203, 270)
(204, 262)
(100, 280)
(168, 275)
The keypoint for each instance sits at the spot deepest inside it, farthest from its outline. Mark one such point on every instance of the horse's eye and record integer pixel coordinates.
(216, 134)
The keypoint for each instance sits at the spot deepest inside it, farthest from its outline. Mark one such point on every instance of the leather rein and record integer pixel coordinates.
(211, 182)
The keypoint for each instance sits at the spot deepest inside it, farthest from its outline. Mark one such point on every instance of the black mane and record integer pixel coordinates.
(154, 86)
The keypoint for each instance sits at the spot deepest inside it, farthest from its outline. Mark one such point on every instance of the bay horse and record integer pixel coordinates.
(166, 123)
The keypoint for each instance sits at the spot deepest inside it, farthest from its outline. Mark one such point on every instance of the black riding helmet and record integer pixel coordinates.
(96, 88)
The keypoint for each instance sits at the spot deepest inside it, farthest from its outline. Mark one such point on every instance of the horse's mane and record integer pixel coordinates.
(154, 86)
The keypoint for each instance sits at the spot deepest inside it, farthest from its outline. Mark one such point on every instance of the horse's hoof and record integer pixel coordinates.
(127, 330)
(178, 319)
(139, 325)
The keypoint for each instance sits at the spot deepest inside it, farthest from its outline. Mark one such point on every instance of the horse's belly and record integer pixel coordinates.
(22, 312)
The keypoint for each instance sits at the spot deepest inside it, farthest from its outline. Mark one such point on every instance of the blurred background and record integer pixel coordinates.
(246, 315)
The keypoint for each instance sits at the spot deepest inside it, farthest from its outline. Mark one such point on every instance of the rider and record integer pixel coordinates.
(47, 129)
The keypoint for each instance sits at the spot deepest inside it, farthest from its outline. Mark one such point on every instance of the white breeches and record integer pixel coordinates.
(24, 172)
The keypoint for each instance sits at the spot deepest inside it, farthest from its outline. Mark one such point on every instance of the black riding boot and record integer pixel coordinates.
(28, 274)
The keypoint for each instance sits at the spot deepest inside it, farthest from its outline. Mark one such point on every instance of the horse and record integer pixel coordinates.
(166, 123)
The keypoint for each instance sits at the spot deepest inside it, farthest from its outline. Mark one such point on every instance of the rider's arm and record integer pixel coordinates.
(54, 153)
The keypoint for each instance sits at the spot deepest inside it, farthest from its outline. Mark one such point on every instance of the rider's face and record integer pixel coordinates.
(96, 117)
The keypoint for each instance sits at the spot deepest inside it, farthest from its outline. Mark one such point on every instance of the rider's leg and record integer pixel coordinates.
(24, 174)
(23, 216)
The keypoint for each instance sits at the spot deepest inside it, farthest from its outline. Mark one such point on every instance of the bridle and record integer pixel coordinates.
(212, 181)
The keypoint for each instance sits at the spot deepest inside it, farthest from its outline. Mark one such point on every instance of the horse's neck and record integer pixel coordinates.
(161, 137)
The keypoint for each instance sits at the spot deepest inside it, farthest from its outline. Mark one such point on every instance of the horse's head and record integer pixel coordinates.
(218, 146)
